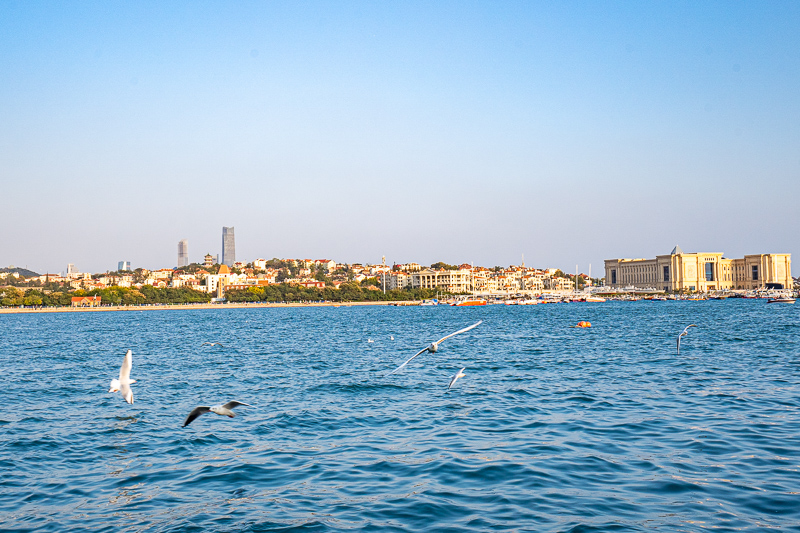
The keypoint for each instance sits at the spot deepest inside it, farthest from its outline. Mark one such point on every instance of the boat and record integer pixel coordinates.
(595, 299)
(781, 300)
(468, 301)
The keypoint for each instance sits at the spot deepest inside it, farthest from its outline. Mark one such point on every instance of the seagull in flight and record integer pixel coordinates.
(123, 384)
(433, 347)
(212, 344)
(224, 410)
(459, 374)
(683, 334)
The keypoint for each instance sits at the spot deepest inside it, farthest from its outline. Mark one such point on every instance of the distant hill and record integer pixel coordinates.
(24, 272)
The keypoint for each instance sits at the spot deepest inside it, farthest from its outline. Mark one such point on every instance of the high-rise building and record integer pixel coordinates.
(228, 247)
(71, 269)
(183, 253)
(124, 265)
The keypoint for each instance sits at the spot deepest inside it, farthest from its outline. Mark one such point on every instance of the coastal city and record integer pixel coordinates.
(225, 279)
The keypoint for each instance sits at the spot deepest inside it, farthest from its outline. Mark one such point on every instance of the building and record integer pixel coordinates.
(454, 281)
(124, 265)
(86, 301)
(228, 247)
(71, 269)
(209, 260)
(183, 253)
(701, 272)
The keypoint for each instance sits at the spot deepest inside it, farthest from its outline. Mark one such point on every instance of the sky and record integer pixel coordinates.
(464, 132)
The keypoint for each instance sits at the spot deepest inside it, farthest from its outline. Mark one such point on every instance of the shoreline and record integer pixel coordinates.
(163, 307)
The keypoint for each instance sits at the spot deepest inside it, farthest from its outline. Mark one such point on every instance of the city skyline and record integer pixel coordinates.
(570, 132)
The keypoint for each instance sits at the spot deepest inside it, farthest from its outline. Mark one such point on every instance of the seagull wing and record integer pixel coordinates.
(231, 405)
(125, 371)
(459, 331)
(686, 329)
(127, 392)
(197, 411)
(679, 342)
(409, 360)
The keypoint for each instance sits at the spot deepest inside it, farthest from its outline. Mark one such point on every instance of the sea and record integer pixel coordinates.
(553, 428)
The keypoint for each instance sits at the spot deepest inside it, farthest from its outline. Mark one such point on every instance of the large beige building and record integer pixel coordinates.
(701, 272)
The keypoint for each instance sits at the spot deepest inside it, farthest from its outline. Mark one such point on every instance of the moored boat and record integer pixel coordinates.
(781, 300)
(469, 301)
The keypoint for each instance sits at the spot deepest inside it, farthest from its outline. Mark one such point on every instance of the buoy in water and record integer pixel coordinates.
(584, 324)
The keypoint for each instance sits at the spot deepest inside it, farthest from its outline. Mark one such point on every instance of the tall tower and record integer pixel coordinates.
(228, 247)
(183, 253)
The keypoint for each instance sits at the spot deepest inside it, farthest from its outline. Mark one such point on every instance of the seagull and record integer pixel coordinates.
(683, 334)
(435, 345)
(370, 340)
(123, 384)
(391, 337)
(459, 374)
(218, 409)
(212, 344)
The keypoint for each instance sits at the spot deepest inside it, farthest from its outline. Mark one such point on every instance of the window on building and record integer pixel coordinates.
(666, 273)
(755, 272)
(709, 271)
(613, 277)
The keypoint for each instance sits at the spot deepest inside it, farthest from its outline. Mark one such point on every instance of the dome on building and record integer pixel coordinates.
(676, 251)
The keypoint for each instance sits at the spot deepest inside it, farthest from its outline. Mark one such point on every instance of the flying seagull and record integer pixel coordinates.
(435, 345)
(123, 384)
(459, 374)
(683, 334)
(212, 344)
(218, 409)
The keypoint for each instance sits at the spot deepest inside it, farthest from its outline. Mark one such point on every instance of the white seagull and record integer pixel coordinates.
(212, 344)
(459, 374)
(683, 334)
(435, 345)
(123, 384)
(224, 410)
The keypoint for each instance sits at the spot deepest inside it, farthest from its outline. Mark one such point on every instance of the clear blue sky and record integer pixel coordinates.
(570, 132)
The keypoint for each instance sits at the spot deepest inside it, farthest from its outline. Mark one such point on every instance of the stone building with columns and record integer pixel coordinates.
(701, 272)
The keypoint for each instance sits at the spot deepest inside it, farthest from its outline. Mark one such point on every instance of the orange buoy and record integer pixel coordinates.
(584, 324)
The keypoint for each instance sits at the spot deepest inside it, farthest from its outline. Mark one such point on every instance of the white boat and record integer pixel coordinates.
(781, 300)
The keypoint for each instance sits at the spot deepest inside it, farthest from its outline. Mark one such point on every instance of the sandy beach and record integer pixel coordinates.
(162, 307)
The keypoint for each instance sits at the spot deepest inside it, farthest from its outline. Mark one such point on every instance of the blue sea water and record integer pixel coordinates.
(552, 429)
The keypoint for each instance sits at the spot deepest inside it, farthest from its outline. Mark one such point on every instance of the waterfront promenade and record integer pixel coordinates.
(162, 307)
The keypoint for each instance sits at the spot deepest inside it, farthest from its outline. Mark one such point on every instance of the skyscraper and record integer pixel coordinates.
(228, 247)
(183, 253)
(124, 265)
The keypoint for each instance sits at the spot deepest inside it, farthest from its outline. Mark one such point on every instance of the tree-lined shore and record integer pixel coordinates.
(148, 295)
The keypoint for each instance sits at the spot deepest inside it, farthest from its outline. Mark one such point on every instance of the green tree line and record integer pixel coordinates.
(281, 292)
(347, 292)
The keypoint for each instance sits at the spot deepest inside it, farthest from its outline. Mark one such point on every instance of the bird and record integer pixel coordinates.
(433, 347)
(370, 341)
(212, 344)
(123, 384)
(391, 337)
(683, 334)
(459, 374)
(224, 410)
